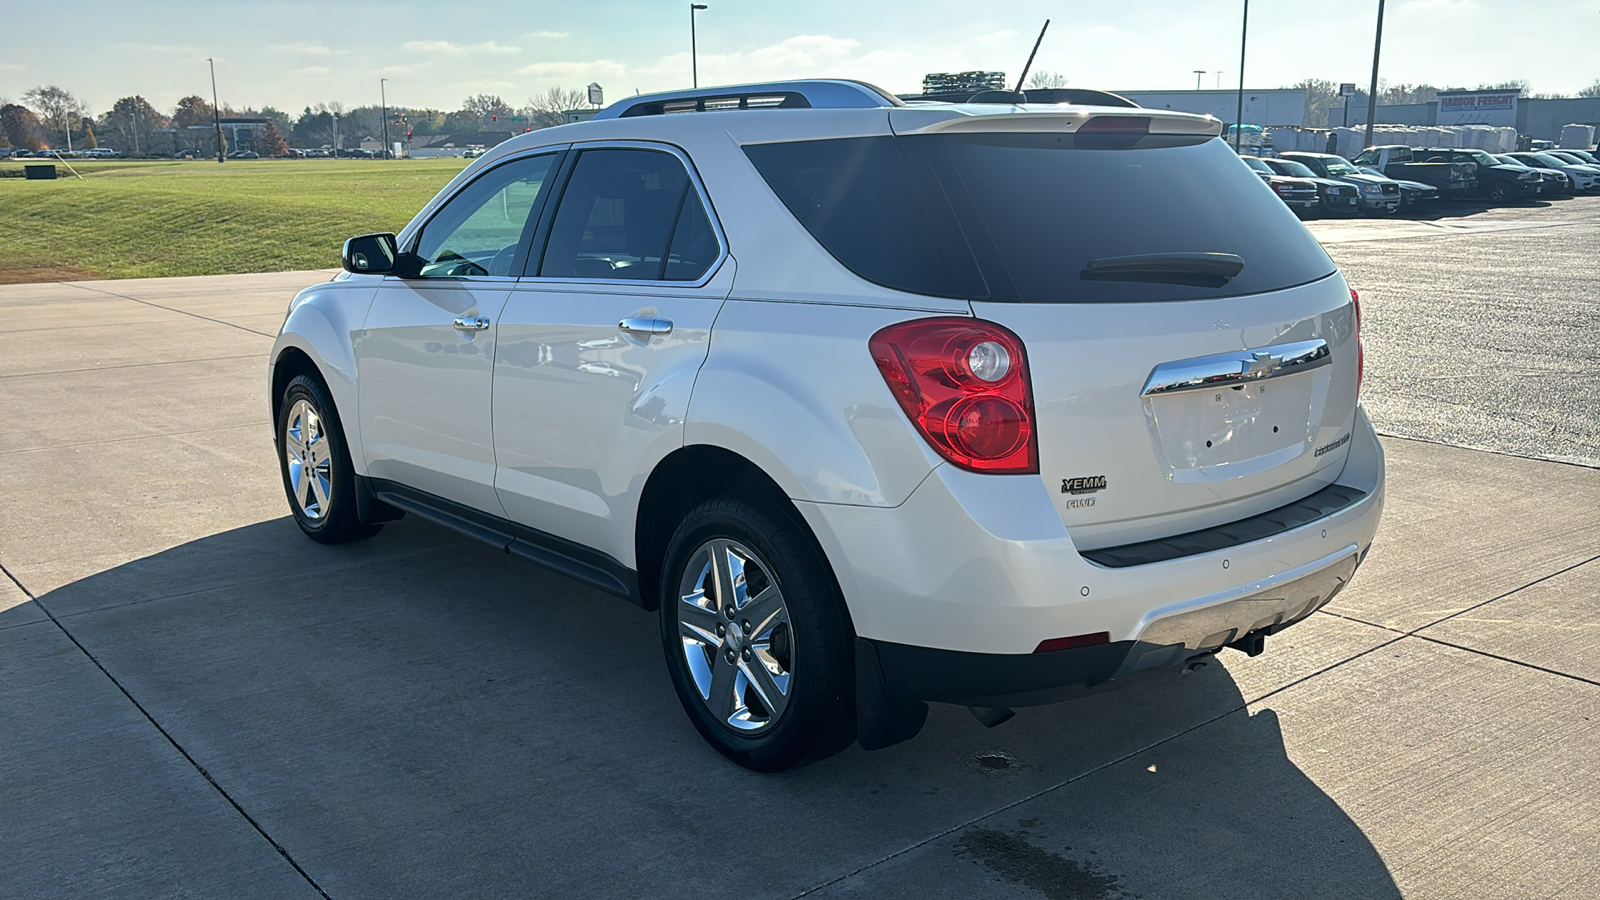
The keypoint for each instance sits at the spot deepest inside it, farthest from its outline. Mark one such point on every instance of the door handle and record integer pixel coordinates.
(472, 323)
(645, 327)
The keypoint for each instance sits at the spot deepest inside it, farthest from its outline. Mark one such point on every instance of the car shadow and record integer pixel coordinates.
(416, 715)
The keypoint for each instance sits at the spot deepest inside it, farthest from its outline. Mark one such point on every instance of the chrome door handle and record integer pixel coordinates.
(645, 327)
(474, 323)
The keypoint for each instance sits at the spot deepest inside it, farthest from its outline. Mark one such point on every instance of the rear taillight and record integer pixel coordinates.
(964, 384)
(1361, 353)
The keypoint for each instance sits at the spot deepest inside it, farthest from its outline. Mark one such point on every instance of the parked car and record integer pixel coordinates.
(1338, 198)
(244, 154)
(939, 436)
(1585, 178)
(1378, 193)
(1414, 195)
(1495, 181)
(1299, 194)
(1556, 184)
(1454, 179)
(1584, 155)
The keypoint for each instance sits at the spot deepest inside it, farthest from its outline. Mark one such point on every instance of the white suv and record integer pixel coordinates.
(876, 403)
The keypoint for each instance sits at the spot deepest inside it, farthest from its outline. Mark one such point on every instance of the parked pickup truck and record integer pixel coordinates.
(1452, 178)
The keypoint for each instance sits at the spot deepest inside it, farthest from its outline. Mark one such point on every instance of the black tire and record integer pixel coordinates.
(1498, 193)
(818, 719)
(335, 521)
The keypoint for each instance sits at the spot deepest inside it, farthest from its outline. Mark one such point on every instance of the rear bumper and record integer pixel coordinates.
(956, 587)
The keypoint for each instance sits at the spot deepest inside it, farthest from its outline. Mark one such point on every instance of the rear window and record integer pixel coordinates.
(1020, 217)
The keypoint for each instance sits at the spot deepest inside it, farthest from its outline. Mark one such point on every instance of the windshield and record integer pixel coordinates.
(1512, 161)
(1024, 217)
(1257, 164)
(1551, 161)
(1339, 166)
(1569, 157)
(1290, 167)
(1482, 158)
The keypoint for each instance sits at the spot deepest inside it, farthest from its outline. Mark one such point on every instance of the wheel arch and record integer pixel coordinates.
(683, 480)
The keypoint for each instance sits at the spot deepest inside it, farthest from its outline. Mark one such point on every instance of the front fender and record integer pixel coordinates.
(322, 322)
(792, 388)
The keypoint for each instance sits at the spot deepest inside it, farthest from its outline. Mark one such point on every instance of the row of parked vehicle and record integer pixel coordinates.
(1398, 179)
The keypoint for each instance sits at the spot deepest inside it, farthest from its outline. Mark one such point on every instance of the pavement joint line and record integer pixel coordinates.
(185, 312)
(162, 362)
(1515, 662)
(137, 437)
(1094, 770)
(170, 740)
(1476, 449)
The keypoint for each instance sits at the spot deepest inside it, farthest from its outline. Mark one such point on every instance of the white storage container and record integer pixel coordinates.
(1577, 137)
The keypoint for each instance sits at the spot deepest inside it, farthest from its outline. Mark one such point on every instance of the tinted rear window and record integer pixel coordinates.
(1018, 217)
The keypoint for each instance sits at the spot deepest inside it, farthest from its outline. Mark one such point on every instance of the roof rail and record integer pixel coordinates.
(832, 93)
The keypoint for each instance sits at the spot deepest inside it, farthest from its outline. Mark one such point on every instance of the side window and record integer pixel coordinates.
(629, 214)
(481, 231)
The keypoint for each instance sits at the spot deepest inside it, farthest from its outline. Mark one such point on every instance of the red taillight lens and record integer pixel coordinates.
(964, 384)
(1361, 353)
(1074, 642)
(1116, 125)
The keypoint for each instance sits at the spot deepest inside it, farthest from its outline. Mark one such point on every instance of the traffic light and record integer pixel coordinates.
(494, 117)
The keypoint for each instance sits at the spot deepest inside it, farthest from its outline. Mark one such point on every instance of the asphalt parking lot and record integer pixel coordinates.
(196, 701)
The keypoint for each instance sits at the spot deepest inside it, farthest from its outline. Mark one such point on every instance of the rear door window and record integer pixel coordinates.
(629, 214)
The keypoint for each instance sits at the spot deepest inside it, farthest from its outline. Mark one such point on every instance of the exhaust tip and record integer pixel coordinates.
(991, 716)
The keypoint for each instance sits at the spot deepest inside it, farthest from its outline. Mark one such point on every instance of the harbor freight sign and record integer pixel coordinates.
(1478, 107)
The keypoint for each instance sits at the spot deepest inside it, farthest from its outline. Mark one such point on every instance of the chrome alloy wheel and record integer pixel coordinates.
(306, 448)
(736, 636)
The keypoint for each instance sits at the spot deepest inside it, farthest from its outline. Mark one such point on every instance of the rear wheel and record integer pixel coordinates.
(315, 463)
(1498, 193)
(757, 641)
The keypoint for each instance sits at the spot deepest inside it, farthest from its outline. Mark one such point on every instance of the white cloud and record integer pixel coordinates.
(449, 48)
(12, 67)
(312, 71)
(305, 48)
(548, 35)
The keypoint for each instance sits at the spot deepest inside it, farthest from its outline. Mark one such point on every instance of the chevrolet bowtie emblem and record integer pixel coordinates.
(1262, 362)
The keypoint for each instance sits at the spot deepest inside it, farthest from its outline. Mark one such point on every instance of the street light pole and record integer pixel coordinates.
(694, 61)
(216, 113)
(1372, 95)
(1197, 74)
(1238, 124)
(335, 135)
(384, 99)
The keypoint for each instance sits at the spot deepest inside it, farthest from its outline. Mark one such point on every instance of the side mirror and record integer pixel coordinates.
(371, 254)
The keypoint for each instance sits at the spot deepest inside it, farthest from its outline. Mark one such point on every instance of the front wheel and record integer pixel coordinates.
(315, 463)
(758, 643)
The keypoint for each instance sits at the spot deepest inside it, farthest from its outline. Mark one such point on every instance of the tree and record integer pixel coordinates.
(20, 127)
(89, 142)
(57, 106)
(549, 108)
(272, 143)
(1515, 84)
(1592, 90)
(1044, 79)
(314, 128)
(128, 123)
(1405, 94)
(1320, 95)
(485, 106)
(192, 110)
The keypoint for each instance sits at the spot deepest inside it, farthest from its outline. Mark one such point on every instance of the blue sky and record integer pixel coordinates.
(434, 54)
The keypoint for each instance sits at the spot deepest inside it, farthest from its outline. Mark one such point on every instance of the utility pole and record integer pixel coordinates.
(1238, 125)
(1197, 74)
(1372, 95)
(335, 135)
(384, 99)
(136, 128)
(694, 61)
(216, 112)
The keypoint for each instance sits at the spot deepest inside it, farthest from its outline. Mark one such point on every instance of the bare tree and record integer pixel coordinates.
(549, 108)
(56, 105)
(485, 106)
(1044, 79)
(1319, 100)
(1592, 90)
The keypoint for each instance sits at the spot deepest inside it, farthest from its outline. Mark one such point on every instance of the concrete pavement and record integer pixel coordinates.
(197, 701)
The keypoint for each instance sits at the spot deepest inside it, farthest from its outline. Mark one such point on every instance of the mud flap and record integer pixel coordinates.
(881, 720)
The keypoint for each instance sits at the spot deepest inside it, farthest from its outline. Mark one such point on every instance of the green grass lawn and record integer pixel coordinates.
(134, 219)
